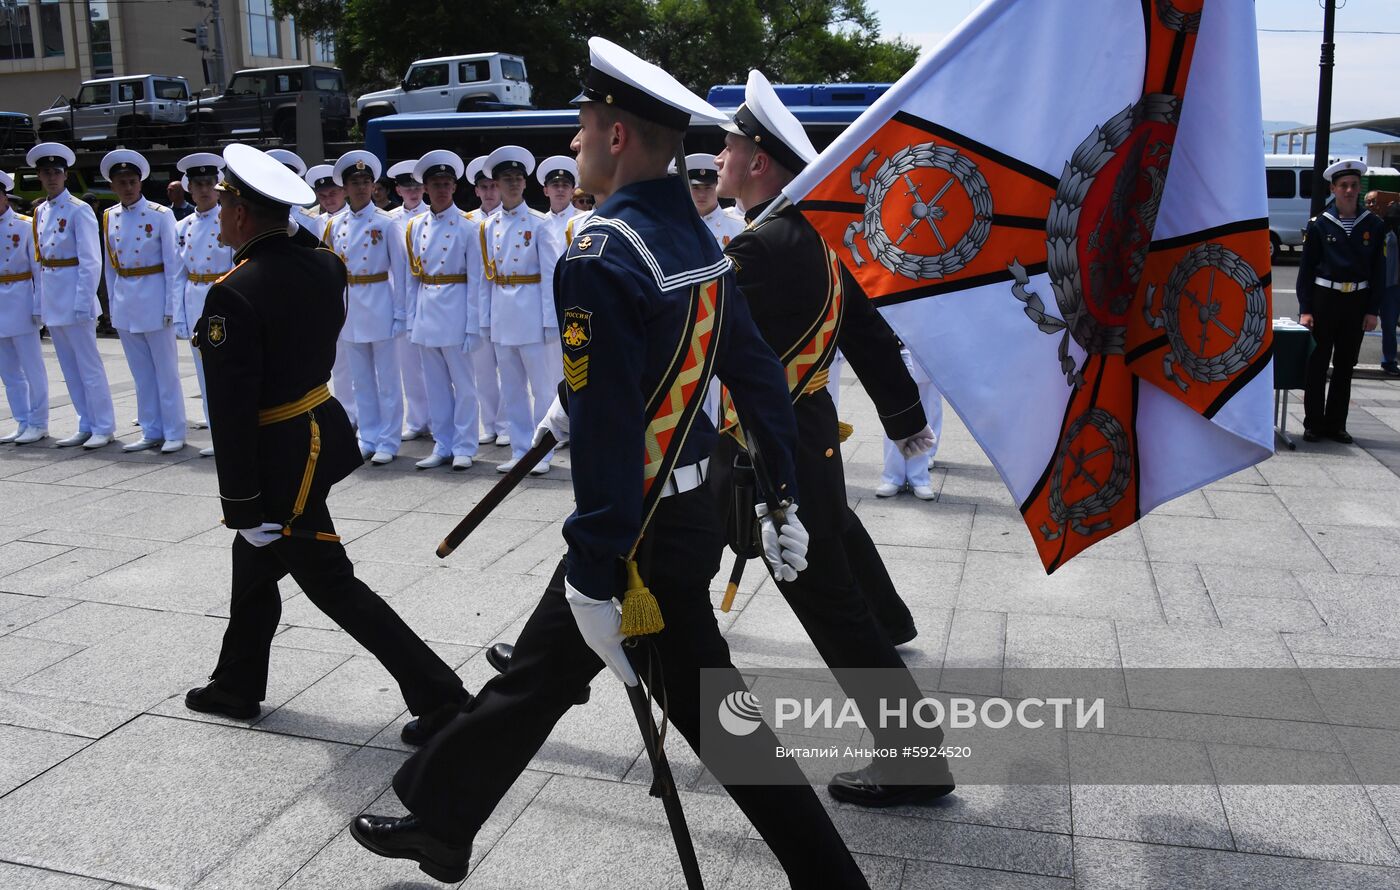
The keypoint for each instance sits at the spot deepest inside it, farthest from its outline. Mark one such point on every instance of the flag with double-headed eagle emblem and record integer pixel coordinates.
(1061, 211)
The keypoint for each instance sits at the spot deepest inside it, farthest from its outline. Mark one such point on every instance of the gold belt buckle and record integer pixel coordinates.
(1347, 287)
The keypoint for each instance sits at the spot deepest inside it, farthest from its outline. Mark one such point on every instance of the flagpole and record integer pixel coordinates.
(1322, 145)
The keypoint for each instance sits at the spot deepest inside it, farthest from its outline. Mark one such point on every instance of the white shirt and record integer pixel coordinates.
(439, 244)
(371, 245)
(723, 225)
(560, 221)
(517, 243)
(201, 253)
(142, 236)
(19, 300)
(67, 228)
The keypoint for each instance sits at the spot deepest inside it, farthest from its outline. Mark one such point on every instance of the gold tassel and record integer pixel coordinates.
(641, 614)
(843, 430)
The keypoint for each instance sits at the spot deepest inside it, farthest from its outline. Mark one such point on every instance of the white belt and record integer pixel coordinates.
(686, 478)
(1345, 287)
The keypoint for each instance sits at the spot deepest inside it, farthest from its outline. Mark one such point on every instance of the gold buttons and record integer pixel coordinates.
(830, 452)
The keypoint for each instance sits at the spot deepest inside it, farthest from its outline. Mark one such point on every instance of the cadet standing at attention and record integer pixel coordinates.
(145, 280)
(643, 283)
(558, 174)
(21, 357)
(514, 294)
(268, 336)
(204, 254)
(440, 248)
(70, 262)
(415, 397)
(371, 245)
(494, 427)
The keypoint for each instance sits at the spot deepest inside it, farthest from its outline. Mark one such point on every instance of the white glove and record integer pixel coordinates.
(919, 443)
(556, 421)
(785, 549)
(600, 624)
(262, 535)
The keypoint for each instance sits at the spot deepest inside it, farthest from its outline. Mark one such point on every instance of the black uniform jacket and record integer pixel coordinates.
(781, 266)
(623, 292)
(267, 338)
(1329, 253)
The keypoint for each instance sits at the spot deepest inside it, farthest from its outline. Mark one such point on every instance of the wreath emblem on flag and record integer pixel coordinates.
(893, 177)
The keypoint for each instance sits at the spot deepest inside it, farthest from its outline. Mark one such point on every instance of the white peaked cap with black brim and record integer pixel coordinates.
(402, 173)
(201, 163)
(124, 160)
(51, 154)
(320, 176)
(557, 167)
(256, 176)
(617, 77)
(767, 121)
(359, 161)
(509, 157)
(290, 158)
(1352, 166)
(436, 163)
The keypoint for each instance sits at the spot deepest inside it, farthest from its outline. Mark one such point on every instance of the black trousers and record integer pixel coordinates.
(1337, 320)
(459, 777)
(327, 576)
(829, 604)
(872, 578)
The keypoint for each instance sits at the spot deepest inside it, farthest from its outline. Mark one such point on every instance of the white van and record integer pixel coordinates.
(1289, 182)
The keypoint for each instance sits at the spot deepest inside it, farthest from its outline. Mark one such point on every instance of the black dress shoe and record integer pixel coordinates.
(419, 730)
(406, 838)
(1311, 436)
(1342, 436)
(862, 788)
(903, 635)
(1390, 370)
(213, 700)
(499, 655)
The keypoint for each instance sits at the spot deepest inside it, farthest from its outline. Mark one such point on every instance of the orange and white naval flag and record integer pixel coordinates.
(1061, 211)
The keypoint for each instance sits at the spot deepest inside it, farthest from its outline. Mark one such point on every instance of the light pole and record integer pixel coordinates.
(1324, 106)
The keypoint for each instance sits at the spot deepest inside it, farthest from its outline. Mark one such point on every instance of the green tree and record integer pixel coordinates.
(702, 42)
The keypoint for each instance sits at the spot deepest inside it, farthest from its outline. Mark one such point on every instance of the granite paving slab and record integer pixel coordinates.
(177, 579)
(159, 802)
(1092, 588)
(953, 843)
(922, 875)
(61, 573)
(22, 877)
(1119, 865)
(21, 657)
(1230, 542)
(28, 752)
(1182, 594)
(756, 868)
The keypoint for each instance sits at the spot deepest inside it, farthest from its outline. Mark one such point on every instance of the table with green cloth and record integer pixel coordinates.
(1293, 343)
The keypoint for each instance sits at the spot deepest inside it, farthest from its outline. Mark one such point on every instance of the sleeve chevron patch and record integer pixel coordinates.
(576, 372)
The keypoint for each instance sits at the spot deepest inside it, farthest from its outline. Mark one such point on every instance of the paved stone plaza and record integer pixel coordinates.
(114, 572)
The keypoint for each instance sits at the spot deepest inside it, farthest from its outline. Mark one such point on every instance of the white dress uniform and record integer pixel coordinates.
(21, 357)
(205, 258)
(559, 222)
(70, 257)
(723, 225)
(515, 298)
(440, 249)
(488, 381)
(372, 247)
(145, 280)
(914, 470)
(416, 417)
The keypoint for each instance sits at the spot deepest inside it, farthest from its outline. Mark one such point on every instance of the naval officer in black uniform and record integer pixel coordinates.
(1341, 280)
(281, 441)
(625, 293)
(788, 276)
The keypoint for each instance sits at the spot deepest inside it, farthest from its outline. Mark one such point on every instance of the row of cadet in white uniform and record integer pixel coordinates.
(450, 319)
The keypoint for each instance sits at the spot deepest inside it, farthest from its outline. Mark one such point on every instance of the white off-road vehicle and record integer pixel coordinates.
(475, 82)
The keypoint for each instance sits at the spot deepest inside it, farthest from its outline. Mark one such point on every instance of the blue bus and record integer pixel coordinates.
(824, 109)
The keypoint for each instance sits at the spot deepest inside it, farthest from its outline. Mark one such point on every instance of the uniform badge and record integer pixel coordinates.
(375, 235)
(62, 224)
(589, 244)
(149, 229)
(577, 334)
(215, 332)
(14, 239)
(527, 233)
